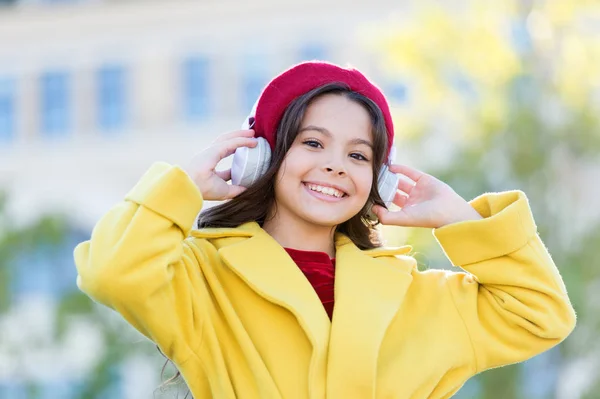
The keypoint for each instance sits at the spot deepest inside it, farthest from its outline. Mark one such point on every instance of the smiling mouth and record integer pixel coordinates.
(329, 191)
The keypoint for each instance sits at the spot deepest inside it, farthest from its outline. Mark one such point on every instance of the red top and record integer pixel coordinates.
(319, 269)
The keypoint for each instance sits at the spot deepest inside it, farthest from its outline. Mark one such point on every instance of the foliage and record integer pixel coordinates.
(495, 96)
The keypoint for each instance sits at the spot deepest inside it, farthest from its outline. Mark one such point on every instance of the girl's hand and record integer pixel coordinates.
(425, 202)
(213, 184)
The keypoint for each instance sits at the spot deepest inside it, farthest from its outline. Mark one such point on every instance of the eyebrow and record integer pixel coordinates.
(327, 133)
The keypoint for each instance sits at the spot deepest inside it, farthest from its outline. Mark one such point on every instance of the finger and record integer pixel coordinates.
(234, 134)
(234, 191)
(393, 218)
(400, 199)
(226, 148)
(211, 156)
(224, 174)
(407, 171)
(378, 210)
(405, 185)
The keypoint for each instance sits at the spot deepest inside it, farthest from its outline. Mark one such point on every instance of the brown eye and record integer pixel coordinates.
(312, 143)
(358, 156)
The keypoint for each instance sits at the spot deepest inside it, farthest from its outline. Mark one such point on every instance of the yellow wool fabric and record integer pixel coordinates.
(240, 320)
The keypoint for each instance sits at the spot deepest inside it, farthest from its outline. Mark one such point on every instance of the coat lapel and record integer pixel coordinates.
(369, 288)
(268, 269)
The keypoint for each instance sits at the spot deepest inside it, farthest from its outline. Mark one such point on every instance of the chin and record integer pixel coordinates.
(326, 218)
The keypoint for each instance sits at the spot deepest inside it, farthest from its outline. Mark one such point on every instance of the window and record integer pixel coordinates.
(520, 37)
(7, 109)
(61, 1)
(12, 389)
(195, 88)
(255, 76)
(111, 97)
(47, 268)
(313, 51)
(540, 375)
(55, 103)
(397, 92)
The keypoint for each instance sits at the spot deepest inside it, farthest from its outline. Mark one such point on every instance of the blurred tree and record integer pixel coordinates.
(48, 230)
(491, 96)
(52, 238)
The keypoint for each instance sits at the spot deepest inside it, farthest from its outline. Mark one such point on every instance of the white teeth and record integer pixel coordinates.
(326, 190)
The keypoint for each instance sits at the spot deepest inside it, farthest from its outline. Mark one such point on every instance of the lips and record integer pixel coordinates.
(325, 191)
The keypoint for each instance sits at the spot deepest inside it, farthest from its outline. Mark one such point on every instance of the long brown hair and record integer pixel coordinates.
(255, 203)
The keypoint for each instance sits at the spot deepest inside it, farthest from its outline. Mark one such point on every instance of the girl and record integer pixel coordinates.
(285, 291)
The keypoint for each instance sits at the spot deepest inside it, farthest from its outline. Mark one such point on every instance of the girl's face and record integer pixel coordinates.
(326, 176)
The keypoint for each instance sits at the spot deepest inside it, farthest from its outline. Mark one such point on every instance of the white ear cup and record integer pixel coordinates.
(249, 164)
(387, 185)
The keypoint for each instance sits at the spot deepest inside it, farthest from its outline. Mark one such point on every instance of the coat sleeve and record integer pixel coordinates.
(138, 263)
(512, 299)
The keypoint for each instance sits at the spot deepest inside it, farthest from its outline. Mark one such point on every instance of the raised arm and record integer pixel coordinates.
(512, 301)
(137, 262)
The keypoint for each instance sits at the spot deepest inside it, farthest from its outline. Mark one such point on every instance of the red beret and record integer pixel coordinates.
(302, 78)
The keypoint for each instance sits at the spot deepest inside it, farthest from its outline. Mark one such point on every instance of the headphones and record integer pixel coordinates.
(249, 164)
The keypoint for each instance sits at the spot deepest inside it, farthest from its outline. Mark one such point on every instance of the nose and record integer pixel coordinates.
(335, 167)
(339, 172)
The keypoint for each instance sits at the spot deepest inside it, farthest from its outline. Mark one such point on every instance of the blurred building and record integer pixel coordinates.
(91, 94)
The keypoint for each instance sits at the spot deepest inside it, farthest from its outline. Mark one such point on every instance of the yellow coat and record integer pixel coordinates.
(240, 320)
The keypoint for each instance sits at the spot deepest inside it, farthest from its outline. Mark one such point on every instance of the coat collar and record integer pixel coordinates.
(369, 288)
(266, 267)
(251, 229)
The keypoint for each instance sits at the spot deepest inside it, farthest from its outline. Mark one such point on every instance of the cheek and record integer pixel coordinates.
(364, 180)
(289, 170)
(293, 165)
(281, 179)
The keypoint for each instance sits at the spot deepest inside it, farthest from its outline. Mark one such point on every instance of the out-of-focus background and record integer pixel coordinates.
(487, 95)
